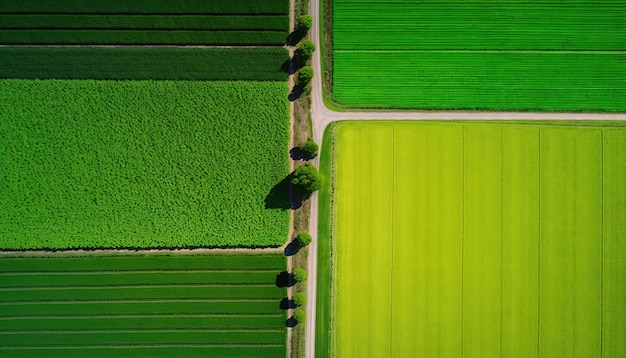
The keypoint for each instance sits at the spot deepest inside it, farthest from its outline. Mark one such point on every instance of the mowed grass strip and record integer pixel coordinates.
(54, 265)
(364, 268)
(614, 245)
(183, 164)
(436, 298)
(524, 215)
(217, 316)
(571, 242)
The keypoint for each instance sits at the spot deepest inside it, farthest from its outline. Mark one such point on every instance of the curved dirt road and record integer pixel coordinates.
(321, 116)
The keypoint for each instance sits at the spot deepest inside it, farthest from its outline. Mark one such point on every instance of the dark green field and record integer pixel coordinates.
(158, 306)
(128, 63)
(144, 22)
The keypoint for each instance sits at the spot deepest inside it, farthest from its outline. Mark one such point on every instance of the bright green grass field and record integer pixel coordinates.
(141, 164)
(479, 239)
(140, 306)
(493, 55)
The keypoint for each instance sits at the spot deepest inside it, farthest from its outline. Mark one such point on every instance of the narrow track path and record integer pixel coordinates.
(321, 116)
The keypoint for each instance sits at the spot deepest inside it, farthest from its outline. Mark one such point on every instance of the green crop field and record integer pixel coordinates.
(157, 306)
(144, 22)
(139, 164)
(146, 63)
(495, 55)
(476, 239)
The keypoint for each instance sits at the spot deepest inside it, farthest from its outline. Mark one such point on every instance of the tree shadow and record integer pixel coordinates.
(285, 279)
(296, 153)
(296, 36)
(297, 91)
(292, 248)
(291, 322)
(287, 304)
(289, 66)
(283, 196)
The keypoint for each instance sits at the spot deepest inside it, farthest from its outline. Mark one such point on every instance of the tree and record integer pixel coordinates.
(310, 149)
(306, 50)
(305, 76)
(305, 22)
(299, 299)
(306, 178)
(299, 274)
(299, 316)
(304, 238)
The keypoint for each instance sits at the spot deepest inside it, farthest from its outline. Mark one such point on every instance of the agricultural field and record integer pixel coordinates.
(144, 22)
(141, 164)
(493, 55)
(143, 63)
(474, 239)
(156, 306)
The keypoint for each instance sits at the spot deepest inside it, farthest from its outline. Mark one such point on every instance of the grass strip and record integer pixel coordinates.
(110, 63)
(142, 37)
(183, 307)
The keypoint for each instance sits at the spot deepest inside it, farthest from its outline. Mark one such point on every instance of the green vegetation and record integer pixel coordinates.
(182, 7)
(494, 55)
(305, 22)
(310, 149)
(305, 51)
(304, 238)
(140, 164)
(505, 239)
(299, 299)
(144, 22)
(299, 315)
(299, 274)
(118, 63)
(210, 305)
(305, 75)
(306, 179)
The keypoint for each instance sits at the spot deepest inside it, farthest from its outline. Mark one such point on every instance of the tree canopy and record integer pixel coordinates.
(306, 178)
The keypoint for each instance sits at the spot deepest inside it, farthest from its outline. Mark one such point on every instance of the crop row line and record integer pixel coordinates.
(147, 300)
(13, 318)
(118, 272)
(261, 345)
(146, 330)
(89, 287)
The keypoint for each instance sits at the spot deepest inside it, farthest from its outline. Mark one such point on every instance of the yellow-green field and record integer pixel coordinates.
(478, 240)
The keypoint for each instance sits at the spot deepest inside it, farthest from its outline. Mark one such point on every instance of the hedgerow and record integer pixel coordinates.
(141, 164)
(143, 63)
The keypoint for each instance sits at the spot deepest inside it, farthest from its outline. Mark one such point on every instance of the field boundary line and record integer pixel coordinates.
(133, 330)
(161, 315)
(126, 346)
(539, 243)
(123, 272)
(149, 300)
(116, 287)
